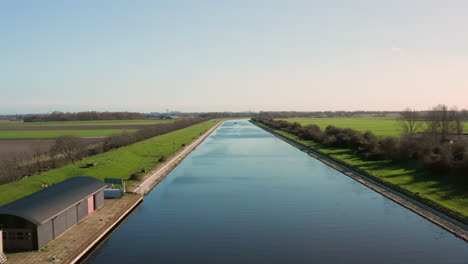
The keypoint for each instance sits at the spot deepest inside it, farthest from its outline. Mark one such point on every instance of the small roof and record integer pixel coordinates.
(45, 204)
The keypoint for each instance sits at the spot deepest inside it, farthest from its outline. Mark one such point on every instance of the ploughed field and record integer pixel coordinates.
(20, 130)
(24, 139)
(381, 126)
(51, 134)
(85, 123)
(26, 148)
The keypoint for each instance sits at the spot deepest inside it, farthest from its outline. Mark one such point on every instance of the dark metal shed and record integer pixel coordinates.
(33, 221)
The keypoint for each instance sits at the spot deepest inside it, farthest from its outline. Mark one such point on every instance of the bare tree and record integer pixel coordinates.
(68, 146)
(458, 119)
(410, 121)
(441, 122)
(13, 168)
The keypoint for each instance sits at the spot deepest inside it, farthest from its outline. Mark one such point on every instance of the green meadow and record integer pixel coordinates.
(118, 163)
(58, 133)
(381, 126)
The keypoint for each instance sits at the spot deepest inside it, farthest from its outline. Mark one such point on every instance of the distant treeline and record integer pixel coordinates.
(83, 116)
(325, 114)
(442, 147)
(419, 115)
(224, 114)
(70, 149)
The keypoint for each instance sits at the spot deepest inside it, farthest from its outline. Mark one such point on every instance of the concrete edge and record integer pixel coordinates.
(159, 173)
(394, 196)
(76, 257)
(149, 183)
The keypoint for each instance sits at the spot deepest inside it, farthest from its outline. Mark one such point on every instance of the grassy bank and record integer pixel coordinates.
(440, 189)
(118, 163)
(381, 126)
(58, 133)
(88, 123)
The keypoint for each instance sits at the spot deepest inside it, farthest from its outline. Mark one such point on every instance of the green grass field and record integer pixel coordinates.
(118, 163)
(58, 133)
(383, 126)
(88, 123)
(441, 189)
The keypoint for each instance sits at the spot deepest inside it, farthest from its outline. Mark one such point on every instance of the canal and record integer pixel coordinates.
(244, 196)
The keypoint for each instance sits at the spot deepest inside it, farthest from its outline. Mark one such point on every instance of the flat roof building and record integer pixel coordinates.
(33, 221)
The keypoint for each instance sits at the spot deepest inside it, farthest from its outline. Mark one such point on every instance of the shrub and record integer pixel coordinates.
(437, 159)
(368, 144)
(136, 176)
(433, 154)
(388, 147)
(410, 148)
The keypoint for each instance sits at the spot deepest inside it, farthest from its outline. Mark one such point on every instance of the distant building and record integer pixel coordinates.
(33, 221)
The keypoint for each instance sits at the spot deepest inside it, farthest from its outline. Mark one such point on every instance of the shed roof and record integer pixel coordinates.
(45, 204)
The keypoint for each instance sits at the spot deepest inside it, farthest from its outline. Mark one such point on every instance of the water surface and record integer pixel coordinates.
(244, 196)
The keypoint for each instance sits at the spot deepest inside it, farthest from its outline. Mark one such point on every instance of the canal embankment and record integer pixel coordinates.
(75, 244)
(435, 213)
(151, 180)
(157, 175)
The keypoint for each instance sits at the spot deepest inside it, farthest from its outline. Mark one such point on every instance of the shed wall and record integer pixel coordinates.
(60, 224)
(45, 234)
(99, 199)
(21, 230)
(71, 216)
(82, 209)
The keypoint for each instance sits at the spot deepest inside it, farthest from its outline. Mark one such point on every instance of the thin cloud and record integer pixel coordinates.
(395, 49)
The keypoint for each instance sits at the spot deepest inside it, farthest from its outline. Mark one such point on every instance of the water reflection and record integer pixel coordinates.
(244, 196)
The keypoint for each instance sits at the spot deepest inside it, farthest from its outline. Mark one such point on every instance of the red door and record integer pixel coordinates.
(90, 204)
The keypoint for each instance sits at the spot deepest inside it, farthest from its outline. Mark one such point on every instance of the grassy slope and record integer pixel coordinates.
(438, 188)
(382, 126)
(119, 163)
(88, 123)
(58, 133)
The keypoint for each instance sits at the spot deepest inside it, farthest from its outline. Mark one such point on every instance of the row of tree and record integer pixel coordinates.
(440, 147)
(441, 122)
(323, 114)
(70, 149)
(83, 116)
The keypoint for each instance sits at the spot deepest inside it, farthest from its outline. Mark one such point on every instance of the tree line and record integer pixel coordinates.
(438, 142)
(323, 114)
(70, 149)
(83, 116)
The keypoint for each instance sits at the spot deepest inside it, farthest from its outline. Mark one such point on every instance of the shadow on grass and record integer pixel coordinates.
(447, 186)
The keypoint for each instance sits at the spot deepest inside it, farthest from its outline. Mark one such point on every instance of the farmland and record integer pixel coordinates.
(118, 163)
(27, 148)
(19, 138)
(383, 126)
(86, 123)
(42, 134)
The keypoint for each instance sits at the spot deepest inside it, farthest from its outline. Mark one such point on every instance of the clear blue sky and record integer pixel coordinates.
(232, 55)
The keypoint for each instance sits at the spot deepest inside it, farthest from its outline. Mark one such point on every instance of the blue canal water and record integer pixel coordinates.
(244, 196)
